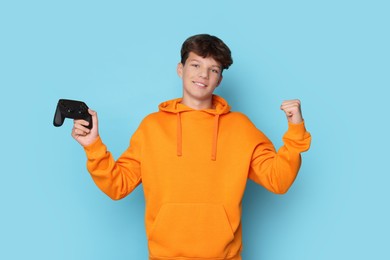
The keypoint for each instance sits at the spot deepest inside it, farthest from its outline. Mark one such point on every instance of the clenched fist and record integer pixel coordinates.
(292, 108)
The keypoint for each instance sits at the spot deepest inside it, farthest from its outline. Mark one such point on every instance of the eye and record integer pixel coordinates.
(195, 65)
(215, 71)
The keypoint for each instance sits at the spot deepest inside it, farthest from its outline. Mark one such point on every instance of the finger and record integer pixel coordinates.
(289, 114)
(289, 106)
(81, 122)
(295, 107)
(291, 109)
(92, 112)
(81, 128)
(94, 119)
(291, 103)
(78, 132)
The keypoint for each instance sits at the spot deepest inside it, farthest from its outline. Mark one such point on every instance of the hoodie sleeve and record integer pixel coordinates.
(115, 178)
(276, 171)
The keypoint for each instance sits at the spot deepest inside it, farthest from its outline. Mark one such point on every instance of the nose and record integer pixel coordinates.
(204, 73)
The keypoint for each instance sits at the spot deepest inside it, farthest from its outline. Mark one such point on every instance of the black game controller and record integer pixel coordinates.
(71, 109)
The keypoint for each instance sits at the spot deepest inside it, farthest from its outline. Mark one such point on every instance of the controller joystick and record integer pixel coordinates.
(71, 109)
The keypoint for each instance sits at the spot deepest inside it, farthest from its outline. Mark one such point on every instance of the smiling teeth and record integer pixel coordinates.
(200, 84)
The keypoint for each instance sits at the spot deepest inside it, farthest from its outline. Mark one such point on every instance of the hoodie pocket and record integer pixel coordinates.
(191, 230)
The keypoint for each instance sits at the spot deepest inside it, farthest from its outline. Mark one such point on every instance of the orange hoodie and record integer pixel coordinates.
(194, 165)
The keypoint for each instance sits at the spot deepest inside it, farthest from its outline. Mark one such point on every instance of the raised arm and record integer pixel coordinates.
(276, 171)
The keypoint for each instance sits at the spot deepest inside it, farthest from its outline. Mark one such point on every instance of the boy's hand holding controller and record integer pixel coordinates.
(85, 124)
(82, 134)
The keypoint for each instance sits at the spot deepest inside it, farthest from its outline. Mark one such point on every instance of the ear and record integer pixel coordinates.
(219, 80)
(179, 69)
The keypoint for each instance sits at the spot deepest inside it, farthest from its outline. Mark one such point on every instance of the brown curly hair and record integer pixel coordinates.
(206, 45)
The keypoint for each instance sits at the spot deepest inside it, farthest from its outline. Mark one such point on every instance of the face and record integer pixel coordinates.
(200, 77)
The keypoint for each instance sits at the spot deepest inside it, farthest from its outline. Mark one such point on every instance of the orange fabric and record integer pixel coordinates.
(215, 139)
(179, 138)
(193, 201)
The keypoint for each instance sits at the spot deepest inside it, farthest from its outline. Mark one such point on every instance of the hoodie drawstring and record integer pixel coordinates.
(179, 135)
(215, 138)
(175, 106)
(214, 144)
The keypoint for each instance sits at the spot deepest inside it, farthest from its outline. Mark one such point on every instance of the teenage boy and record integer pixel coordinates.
(194, 157)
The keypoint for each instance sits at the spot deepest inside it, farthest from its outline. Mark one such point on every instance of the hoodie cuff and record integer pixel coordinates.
(96, 148)
(296, 131)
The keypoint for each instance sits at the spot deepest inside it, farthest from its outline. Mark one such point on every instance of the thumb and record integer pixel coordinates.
(94, 118)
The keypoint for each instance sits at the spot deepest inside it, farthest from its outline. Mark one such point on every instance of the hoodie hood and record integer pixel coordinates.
(220, 107)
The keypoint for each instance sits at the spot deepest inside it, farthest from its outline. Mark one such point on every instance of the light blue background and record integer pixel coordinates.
(120, 58)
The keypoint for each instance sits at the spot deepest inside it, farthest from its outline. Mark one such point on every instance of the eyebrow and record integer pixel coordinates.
(211, 65)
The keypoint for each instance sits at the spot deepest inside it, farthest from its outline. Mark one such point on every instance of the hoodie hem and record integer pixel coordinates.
(236, 257)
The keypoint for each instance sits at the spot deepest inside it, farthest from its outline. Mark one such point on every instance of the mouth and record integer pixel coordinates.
(199, 84)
